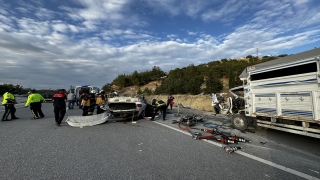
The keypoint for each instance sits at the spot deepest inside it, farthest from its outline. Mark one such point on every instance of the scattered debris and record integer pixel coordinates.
(229, 149)
(216, 135)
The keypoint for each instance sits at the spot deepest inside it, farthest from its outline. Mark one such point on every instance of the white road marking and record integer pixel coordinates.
(289, 170)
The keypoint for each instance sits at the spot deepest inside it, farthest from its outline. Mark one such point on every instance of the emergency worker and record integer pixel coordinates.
(100, 100)
(92, 102)
(159, 105)
(9, 102)
(83, 95)
(85, 104)
(59, 103)
(35, 100)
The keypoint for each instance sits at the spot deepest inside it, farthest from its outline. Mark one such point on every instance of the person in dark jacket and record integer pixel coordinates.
(159, 105)
(170, 101)
(92, 102)
(59, 103)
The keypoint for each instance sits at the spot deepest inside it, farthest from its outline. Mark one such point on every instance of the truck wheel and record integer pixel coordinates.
(239, 122)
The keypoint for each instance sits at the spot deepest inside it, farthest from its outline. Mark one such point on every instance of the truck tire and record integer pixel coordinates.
(239, 122)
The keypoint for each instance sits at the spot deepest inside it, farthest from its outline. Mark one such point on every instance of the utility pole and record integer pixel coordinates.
(257, 52)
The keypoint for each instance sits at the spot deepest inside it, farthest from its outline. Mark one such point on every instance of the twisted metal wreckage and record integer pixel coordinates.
(216, 135)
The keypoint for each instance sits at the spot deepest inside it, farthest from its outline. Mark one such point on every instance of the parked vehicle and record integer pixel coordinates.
(282, 94)
(79, 90)
(47, 96)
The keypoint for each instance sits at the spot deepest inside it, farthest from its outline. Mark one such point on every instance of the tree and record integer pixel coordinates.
(147, 91)
(213, 84)
(139, 92)
(135, 78)
(107, 88)
(232, 82)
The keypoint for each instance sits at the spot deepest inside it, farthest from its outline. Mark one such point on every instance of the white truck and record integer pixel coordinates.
(282, 94)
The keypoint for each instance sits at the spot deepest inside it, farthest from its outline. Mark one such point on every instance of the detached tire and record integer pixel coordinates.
(239, 122)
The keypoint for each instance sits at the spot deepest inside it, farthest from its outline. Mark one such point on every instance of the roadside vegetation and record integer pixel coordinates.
(20, 90)
(185, 80)
(190, 79)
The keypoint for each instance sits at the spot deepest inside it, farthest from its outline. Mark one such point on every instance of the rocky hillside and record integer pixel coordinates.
(198, 102)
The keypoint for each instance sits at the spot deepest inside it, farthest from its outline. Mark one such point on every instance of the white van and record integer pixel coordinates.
(79, 90)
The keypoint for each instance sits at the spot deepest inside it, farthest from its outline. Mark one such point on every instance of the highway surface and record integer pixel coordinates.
(119, 149)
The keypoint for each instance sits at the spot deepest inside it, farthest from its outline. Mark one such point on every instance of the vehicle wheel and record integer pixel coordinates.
(239, 122)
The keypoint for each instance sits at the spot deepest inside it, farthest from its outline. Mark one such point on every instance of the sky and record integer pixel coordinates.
(52, 44)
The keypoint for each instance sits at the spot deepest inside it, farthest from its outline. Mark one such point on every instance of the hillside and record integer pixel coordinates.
(197, 102)
(132, 90)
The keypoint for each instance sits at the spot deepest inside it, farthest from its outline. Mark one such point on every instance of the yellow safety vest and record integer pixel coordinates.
(6, 96)
(32, 98)
(99, 100)
(160, 103)
(85, 102)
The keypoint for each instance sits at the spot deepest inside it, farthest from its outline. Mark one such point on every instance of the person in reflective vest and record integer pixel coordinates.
(159, 105)
(85, 104)
(100, 100)
(9, 102)
(35, 100)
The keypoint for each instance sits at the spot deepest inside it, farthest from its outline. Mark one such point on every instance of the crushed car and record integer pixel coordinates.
(126, 106)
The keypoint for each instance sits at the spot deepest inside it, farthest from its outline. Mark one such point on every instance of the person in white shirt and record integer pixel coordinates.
(71, 99)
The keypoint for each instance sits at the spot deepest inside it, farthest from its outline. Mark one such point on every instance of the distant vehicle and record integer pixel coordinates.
(24, 95)
(47, 96)
(79, 90)
(71, 89)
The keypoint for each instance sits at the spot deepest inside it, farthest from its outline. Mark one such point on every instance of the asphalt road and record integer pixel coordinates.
(37, 149)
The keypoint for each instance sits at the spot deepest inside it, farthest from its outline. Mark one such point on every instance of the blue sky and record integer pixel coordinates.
(54, 44)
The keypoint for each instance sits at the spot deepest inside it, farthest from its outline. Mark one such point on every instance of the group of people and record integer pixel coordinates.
(59, 99)
(89, 101)
(160, 105)
(34, 101)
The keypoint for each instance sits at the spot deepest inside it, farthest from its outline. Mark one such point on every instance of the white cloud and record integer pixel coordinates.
(95, 41)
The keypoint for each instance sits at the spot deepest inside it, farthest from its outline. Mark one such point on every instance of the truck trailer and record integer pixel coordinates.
(282, 94)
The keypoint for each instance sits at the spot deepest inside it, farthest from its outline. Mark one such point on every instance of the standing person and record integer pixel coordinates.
(159, 105)
(83, 95)
(59, 103)
(9, 102)
(71, 99)
(92, 102)
(35, 100)
(169, 101)
(85, 104)
(100, 100)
